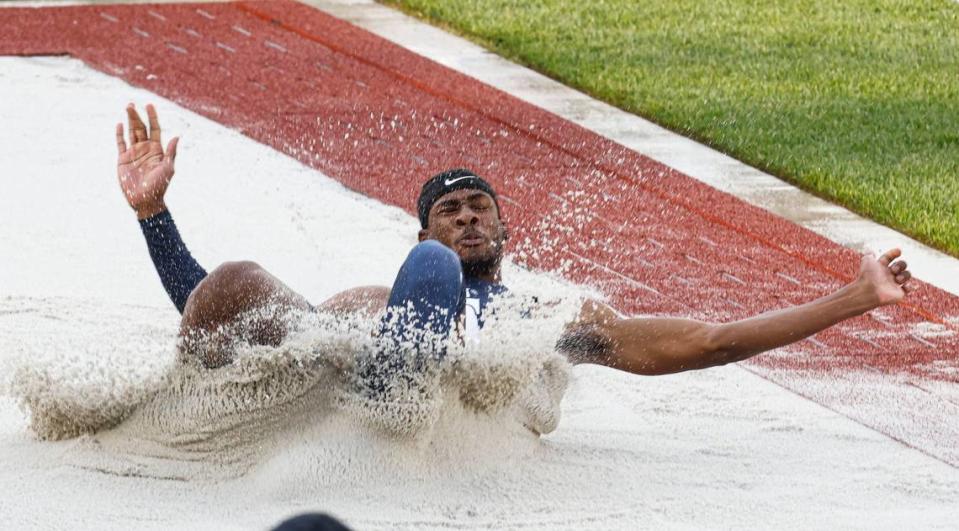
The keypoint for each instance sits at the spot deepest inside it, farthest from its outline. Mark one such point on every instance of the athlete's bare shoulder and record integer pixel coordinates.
(364, 299)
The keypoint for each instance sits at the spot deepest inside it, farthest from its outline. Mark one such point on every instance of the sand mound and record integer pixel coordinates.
(185, 421)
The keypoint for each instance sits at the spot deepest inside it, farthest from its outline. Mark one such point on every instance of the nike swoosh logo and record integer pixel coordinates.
(448, 182)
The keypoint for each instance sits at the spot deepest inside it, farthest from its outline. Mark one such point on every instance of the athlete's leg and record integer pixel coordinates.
(238, 300)
(425, 303)
(427, 292)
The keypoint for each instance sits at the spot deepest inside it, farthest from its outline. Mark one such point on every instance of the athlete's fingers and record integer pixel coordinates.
(154, 122)
(121, 144)
(138, 130)
(171, 150)
(889, 256)
(129, 110)
(131, 123)
(898, 267)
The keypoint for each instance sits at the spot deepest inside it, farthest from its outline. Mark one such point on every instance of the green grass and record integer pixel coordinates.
(856, 100)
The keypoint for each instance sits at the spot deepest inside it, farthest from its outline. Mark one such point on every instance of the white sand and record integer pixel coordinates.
(84, 322)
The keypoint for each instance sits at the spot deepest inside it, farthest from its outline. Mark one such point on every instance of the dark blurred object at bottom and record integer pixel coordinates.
(311, 522)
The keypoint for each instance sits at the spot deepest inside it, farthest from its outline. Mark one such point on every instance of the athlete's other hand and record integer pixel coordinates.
(143, 168)
(884, 279)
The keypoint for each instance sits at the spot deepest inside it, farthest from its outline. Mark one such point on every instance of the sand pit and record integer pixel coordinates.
(86, 330)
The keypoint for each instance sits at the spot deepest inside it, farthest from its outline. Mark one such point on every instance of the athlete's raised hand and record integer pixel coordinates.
(884, 277)
(143, 167)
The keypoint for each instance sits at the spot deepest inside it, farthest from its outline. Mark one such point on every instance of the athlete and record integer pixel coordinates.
(449, 278)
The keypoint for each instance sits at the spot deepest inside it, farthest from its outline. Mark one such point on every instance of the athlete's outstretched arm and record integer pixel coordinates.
(145, 171)
(664, 345)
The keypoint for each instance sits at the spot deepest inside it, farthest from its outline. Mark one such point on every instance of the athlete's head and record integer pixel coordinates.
(459, 209)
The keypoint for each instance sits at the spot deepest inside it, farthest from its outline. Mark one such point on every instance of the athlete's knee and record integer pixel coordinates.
(222, 290)
(431, 277)
(234, 271)
(232, 277)
(434, 262)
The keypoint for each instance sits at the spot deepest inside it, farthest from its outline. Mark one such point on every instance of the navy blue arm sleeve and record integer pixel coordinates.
(178, 271)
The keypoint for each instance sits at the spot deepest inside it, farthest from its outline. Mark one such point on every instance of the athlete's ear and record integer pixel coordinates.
(423, 235)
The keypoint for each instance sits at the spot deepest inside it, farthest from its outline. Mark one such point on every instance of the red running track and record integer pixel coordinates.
(380, 119)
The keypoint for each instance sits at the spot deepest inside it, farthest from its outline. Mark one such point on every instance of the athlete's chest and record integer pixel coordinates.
(477, 295)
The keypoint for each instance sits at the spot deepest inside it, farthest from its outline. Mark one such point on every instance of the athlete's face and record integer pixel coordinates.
(468, 222)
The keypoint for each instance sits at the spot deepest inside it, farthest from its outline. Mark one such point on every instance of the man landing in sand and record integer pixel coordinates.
(448, 279)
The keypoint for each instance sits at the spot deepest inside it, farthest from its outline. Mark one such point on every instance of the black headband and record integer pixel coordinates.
(446, 182)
